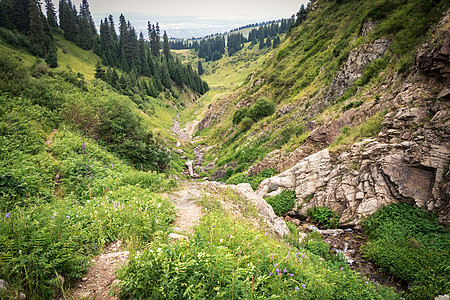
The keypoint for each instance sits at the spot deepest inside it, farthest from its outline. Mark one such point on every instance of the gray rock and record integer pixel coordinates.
(21, 296)
(177, 237)
(442, 297)
(264, 209)
(355, 65)
(3, 285)
(190, 167)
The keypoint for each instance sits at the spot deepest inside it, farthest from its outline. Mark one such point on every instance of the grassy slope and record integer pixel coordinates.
(300, 70)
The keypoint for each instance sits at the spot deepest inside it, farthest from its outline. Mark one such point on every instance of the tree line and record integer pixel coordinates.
(143, 66)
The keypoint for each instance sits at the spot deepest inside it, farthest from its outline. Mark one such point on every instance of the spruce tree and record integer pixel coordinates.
(200, 68)
(5, 14)
(52, 58)
(166, 48)
(51, 14)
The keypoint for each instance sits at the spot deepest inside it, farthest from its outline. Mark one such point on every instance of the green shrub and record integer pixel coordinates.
(410, 244)
(283, 202)
(352, 105)
(240, 114)
(324, 216)
(227, 258)
(261, 109)
(245, 124)
(38, 243)
(254, 180)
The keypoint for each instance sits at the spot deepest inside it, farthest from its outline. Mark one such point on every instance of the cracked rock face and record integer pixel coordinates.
(355, 65)
(369, 176)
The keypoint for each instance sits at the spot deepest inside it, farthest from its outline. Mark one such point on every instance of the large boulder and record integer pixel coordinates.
(275, 223)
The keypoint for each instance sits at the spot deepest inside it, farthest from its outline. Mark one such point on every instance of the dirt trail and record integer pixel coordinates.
(189, 213)
(100, 278)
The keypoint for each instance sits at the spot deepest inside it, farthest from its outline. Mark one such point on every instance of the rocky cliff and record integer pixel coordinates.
(408, 161)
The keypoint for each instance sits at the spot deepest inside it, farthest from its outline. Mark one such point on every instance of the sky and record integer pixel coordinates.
(194, 18)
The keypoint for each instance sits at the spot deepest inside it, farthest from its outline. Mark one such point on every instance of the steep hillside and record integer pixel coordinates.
(352, 113)
(351, 71)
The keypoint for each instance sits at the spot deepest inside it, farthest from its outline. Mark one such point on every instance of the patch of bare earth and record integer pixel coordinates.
(101, 276)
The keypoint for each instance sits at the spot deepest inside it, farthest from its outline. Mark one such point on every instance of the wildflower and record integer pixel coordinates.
(221, 240)
(52, 217)
(276, 264)
(297, 288)
(284, 270)
(303, 285)
(342, 268)
(68, 217)
(270, 274)
(7, 215)
(267, 233)
(291, 274)
(256, 237)
(277, 270)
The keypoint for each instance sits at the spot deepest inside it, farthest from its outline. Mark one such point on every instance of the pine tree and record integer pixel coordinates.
(52, 58)
(51, 14)
(165, 77)
(166, 48)
(200, 68)
(145, 68)
(100, 72)
(20, 15)
(5, 14)
(86, 27)
(154, 39)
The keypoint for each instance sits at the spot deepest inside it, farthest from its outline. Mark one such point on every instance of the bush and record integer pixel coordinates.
(283, 202)
(254, 180)
(227, 258)
(246, 124)
(261, 109)
(410, 244)
(240, 114)
(324, 216)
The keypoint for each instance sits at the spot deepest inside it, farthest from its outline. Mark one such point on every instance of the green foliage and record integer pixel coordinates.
(410, 244)
(283, 202)
(369, 128)
(261, 109)
(59, 238)
(254, 180)
(240, 114)
(245, 124)
(324, 216)
(354, 104)
(227, 258)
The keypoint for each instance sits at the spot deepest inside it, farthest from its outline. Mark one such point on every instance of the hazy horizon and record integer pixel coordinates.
(197, 18)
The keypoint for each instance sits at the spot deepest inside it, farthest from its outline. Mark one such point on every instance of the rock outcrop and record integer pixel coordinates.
(275, 223)
(355, 65)
(397, 167)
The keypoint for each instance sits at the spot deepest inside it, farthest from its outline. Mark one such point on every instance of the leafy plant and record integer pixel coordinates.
(410, 244)
(283, 202)
(324, 216)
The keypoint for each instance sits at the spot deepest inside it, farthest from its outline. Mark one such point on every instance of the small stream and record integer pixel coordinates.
(191, 165)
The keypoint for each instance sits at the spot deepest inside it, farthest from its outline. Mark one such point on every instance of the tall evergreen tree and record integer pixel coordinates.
(51, 14)
(86, 27)
(5, 14)
(154, 39)
(145, 68)
(200, 68)
(166, 47)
